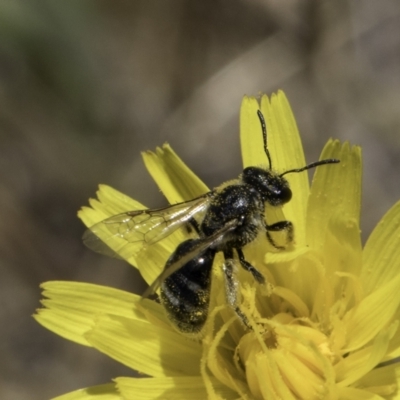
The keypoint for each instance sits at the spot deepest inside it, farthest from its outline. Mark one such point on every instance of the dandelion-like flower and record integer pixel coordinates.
(325, 326)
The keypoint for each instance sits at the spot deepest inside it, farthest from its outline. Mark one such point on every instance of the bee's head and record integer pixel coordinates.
(273, 188)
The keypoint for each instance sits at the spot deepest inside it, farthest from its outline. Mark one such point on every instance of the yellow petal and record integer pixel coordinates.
(373, 314)
(359, 363)
(335, 191)
(284, 145)
(384, 381)
(173, 177)
(216, 362)
(342, 250)
(251, 140)
(101, 392)
(111, 202)
(351, 393)
(287, 153)
(382, 252)
(273, 384)
(71, 307)
(284, 141)
(300, 308)
(394, 347)
(295, 367)
(117, 201)
(71, 327)
(144, 347)
(177, 388)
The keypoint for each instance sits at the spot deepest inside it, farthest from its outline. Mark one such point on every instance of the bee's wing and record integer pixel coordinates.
(204, 244)
(138, 228)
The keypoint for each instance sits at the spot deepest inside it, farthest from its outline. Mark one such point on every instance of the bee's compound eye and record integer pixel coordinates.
(285, 195)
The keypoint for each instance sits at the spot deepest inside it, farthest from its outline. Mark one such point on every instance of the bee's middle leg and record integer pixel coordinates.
(191, 225)
(257, 275)
(232, 287)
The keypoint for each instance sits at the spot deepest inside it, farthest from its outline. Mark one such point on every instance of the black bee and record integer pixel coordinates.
(224, 220)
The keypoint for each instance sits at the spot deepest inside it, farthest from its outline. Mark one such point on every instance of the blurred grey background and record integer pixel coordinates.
(86, 85)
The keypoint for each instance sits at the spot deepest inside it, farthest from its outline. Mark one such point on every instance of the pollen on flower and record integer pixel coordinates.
(288, 364)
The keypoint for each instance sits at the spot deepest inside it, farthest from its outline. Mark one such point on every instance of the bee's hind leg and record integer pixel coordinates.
(231, 290)
(193, 225)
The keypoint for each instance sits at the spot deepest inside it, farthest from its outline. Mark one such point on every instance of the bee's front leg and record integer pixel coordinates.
(278, 227)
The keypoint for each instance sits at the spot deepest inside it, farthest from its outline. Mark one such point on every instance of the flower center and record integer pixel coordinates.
(288, 361)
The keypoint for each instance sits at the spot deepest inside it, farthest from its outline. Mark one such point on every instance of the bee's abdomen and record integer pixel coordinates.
(186, 293)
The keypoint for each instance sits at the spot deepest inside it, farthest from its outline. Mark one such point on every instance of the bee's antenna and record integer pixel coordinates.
(312, 165)
(264, 133)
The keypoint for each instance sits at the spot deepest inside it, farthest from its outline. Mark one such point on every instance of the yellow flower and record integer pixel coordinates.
(325, 324)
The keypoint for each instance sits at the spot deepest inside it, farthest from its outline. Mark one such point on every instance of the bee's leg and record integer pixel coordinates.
(277, 227)
(193, 224)
(257, 275)
(231, 289)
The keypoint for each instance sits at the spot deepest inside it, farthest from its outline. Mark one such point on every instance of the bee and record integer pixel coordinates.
(225, 220)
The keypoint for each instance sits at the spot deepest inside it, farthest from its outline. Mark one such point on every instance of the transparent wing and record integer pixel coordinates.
(204, 244)
(123, 235)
